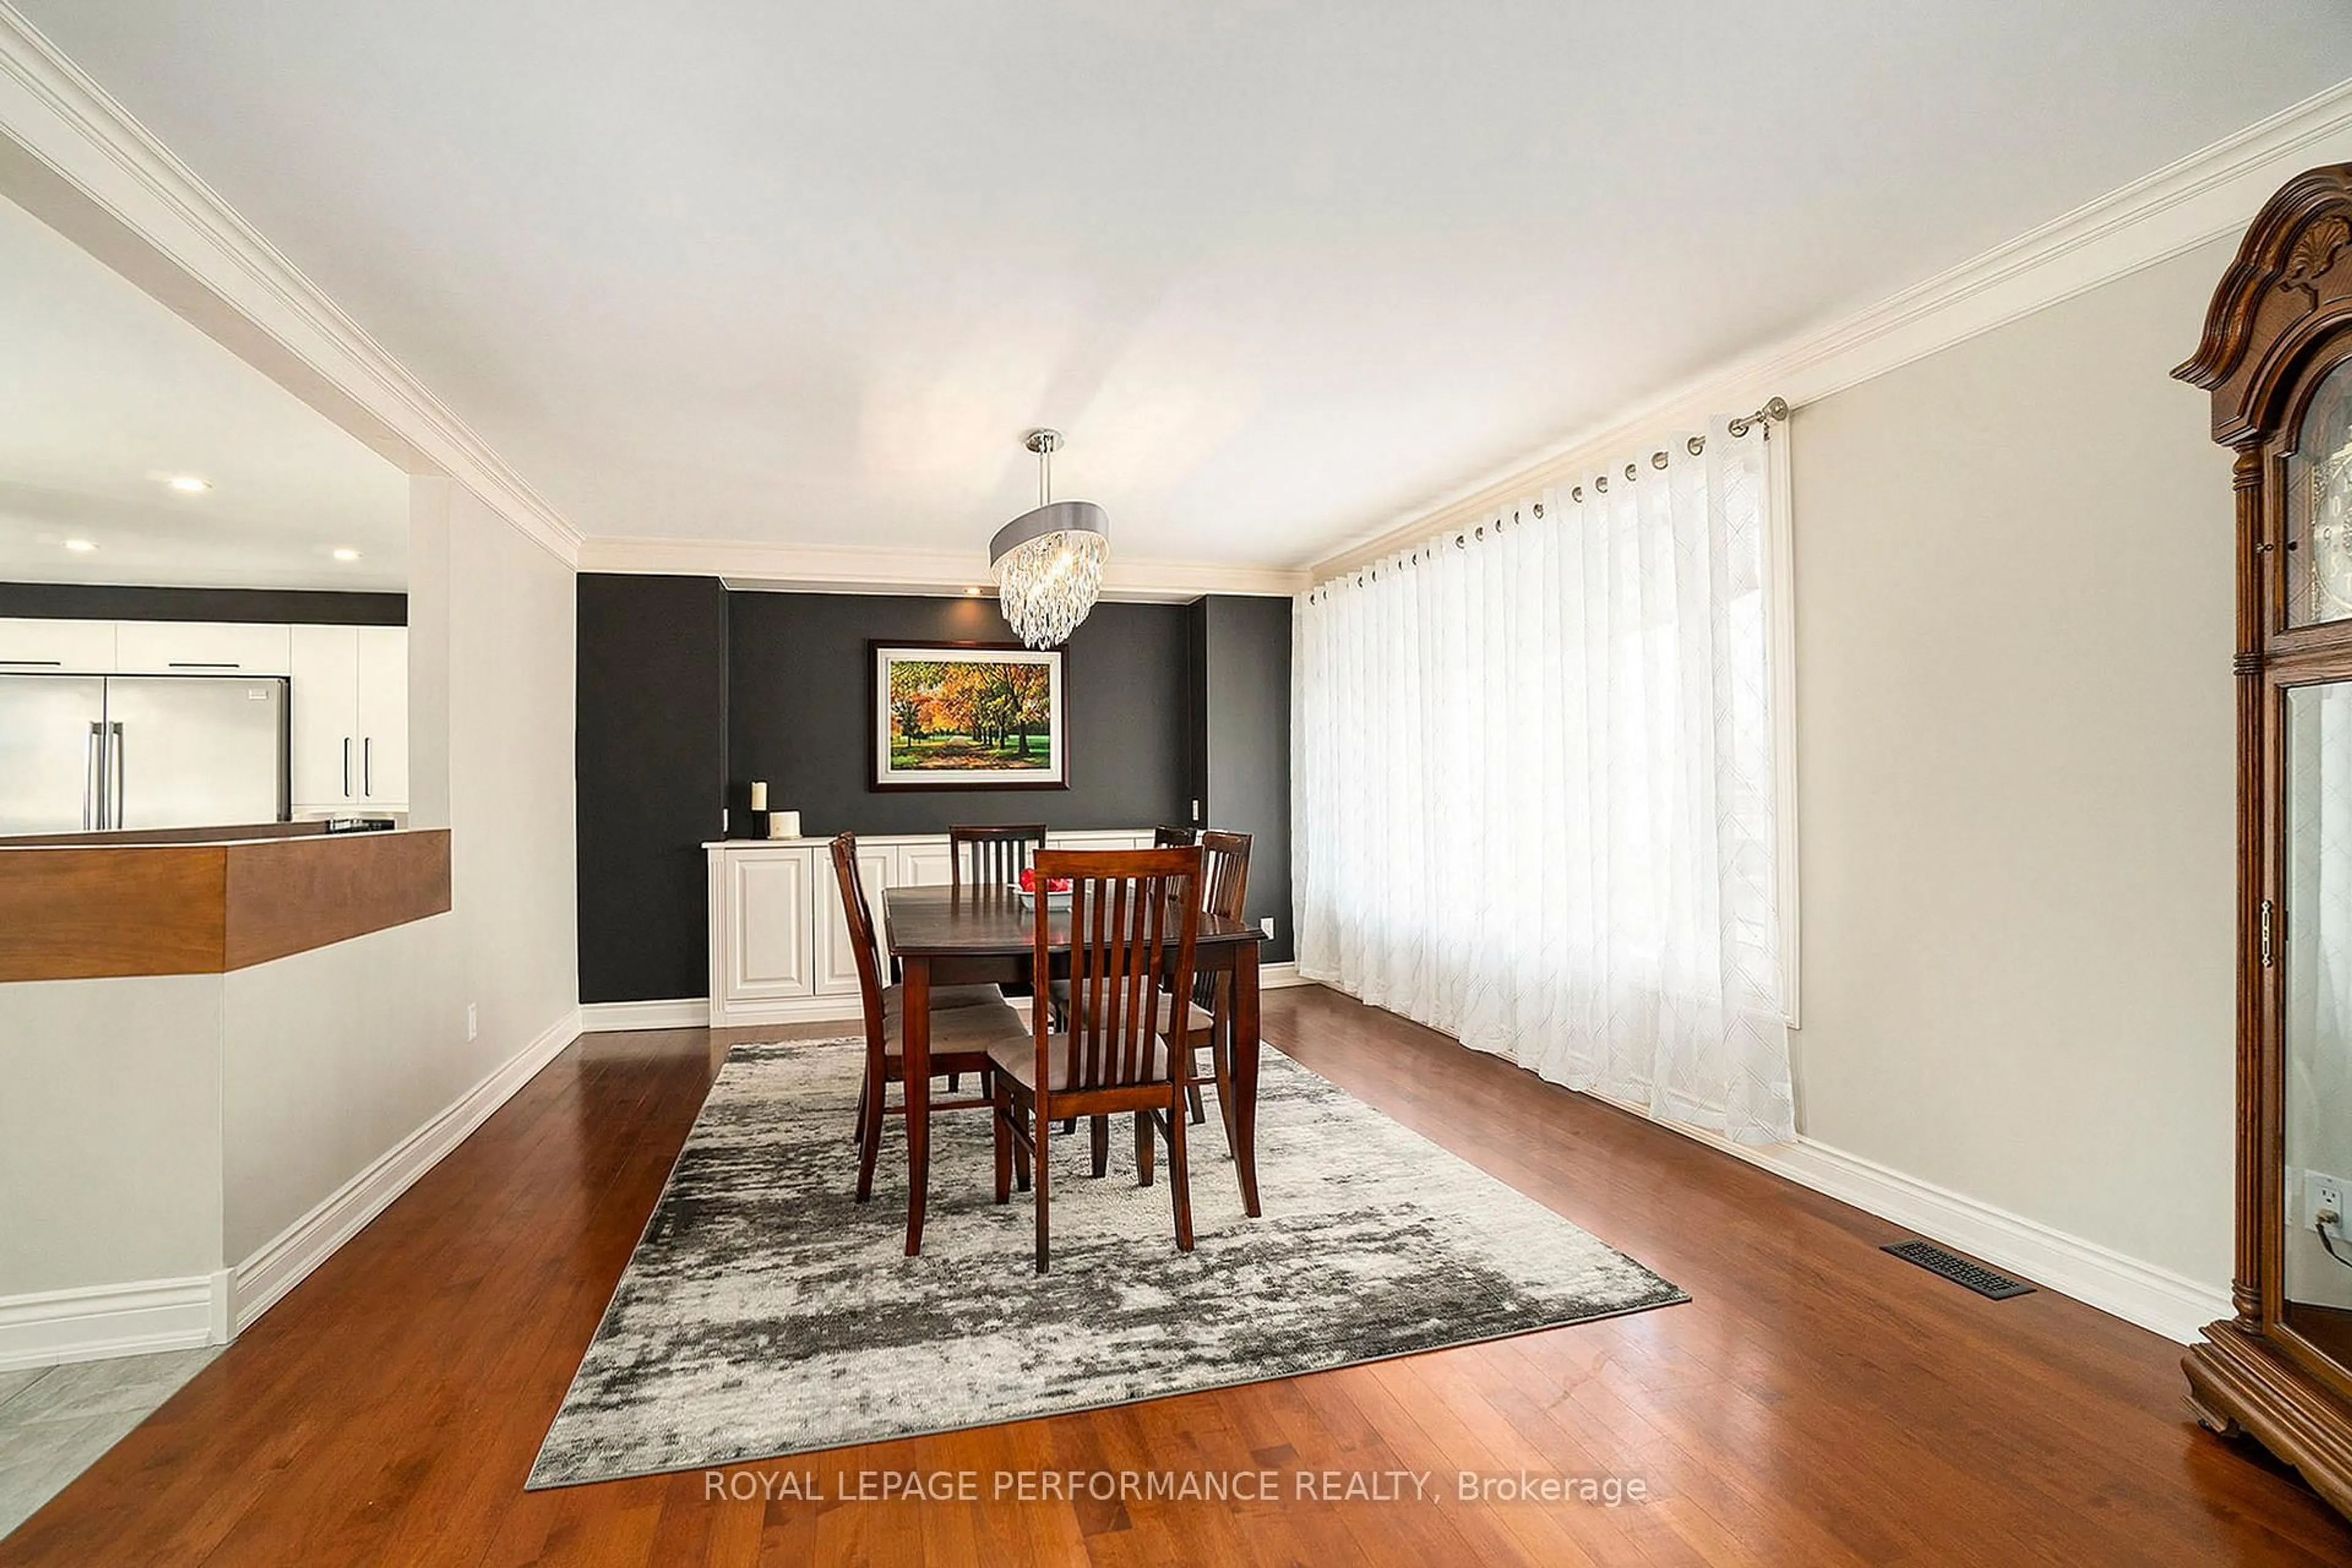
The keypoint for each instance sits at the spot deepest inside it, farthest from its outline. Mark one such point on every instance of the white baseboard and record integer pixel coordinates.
(849, 1009)
(256, 1284)
(2154, 1297)
(1275, 976)
(100, 1321)
(679, 1012)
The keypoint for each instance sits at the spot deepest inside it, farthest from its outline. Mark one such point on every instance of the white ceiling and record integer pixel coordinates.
(105, 394)
(806, 273)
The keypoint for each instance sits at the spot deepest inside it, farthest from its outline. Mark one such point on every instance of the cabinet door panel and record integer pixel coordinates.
(325, 718)
(770, 954)
(382, 676)
(65, 647)
(201, 647)
(922, 865)
(836, 955)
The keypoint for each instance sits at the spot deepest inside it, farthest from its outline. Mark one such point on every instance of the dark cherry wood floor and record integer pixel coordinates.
(1818, 1403)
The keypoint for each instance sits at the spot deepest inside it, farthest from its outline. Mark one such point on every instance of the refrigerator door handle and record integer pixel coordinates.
(92, 797)
(347, 767)
(116, 771)
(367, 767)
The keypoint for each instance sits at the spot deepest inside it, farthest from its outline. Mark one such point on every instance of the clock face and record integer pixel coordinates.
(2319, 506)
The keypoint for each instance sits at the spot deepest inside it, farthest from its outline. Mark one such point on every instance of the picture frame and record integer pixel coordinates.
(968, 716)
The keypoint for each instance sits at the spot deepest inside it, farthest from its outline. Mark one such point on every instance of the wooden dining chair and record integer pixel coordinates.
(1135, 915)
(966, 1021)
(1224, 866)
(1226, 886)
(992, 855)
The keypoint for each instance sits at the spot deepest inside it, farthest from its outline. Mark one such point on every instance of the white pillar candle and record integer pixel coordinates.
(784, 825)
(758, 794)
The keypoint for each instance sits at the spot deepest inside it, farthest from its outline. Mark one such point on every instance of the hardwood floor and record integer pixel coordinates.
(1817, 1403)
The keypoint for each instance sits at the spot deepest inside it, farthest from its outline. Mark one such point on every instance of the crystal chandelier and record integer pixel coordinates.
(1049, 561)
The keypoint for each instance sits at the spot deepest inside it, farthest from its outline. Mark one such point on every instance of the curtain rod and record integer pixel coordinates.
(1774, 410)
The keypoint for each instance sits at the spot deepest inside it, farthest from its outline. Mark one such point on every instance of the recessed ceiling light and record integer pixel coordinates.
(80, 546)
(189, 484)
(347, 556)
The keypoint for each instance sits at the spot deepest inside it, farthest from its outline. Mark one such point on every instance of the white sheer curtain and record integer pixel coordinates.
(1534, 775)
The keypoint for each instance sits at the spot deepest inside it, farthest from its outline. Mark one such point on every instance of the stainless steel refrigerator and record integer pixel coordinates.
(81, 753)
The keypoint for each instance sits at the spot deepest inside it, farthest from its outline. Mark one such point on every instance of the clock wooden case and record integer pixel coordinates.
(2277, 358)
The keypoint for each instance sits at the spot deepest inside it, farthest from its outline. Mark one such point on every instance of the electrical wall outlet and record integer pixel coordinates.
(2323, 1193)
(1196, 808)
(472, 1021)
(1266, 925)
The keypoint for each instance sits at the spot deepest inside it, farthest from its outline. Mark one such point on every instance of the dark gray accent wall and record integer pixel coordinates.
(799, 714)
(652, 776)
(272, 606)
(687, 692)
(1244, 722)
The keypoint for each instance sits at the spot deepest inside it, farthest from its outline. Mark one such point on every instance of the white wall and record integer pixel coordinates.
(513, 646)
(109, 1131)
(2013, 642)
(336, 1056)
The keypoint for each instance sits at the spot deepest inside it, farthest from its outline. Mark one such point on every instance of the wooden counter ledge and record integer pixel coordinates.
(87, 911)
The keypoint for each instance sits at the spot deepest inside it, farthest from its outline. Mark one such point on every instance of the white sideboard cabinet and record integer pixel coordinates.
(780, 948)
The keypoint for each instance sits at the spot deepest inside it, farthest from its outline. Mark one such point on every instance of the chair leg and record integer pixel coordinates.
(1069, 1126)
(1000, 1117)
(1143, 1148)
(1101, 1131)
(1180, 1177)
(1045, 1171)
(1221, 1064)
(858, 1122)
(955, 1081)
(1193, 1080)
(869, 1141)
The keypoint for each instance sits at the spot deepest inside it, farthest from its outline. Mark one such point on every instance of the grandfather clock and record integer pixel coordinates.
(2277, 358)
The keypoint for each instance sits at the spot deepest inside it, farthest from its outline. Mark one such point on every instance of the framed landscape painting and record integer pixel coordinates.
(968, 716)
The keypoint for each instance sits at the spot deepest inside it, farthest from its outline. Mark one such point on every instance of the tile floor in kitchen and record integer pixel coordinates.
(55, 1421)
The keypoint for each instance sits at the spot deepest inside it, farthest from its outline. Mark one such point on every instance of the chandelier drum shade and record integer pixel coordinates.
(1049, 560)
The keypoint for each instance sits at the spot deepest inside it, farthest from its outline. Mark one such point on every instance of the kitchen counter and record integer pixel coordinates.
(100, 906)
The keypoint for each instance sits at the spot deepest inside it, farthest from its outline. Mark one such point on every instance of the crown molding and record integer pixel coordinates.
(76, 159)
(2204, 197)
(867, 569)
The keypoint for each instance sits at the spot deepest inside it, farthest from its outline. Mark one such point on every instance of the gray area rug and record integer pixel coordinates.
(765, 1313)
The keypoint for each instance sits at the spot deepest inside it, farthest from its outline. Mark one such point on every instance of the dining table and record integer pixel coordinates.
(971, 935)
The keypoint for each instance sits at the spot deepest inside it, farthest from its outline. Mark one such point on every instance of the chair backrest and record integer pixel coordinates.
(1224, 875)
(1134, 917)
(1166, 837)
(992, 855)
(1225, 864)
(859, 918)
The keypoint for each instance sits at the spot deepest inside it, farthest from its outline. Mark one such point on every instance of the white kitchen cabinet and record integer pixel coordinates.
(64, 647)
(350, 719)
(836, 955)
(201, 647)
(384, 717)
